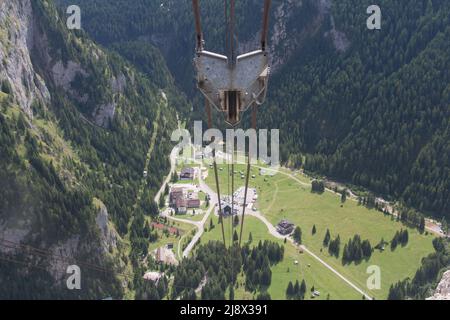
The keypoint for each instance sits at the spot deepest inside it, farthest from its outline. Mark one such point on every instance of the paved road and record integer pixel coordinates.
(200, 230)
(173, 157)
(173, 165)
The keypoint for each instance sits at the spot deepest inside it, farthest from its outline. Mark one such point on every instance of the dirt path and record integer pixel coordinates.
(147, 162)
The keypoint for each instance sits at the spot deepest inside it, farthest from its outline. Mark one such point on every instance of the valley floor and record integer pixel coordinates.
(288, 195)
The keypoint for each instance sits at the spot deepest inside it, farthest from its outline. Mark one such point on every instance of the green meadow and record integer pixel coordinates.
(309, 269)
(282, 197)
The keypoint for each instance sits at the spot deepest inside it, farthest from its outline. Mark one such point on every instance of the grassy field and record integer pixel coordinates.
(282, 197)
(308, 268)
(200, 214)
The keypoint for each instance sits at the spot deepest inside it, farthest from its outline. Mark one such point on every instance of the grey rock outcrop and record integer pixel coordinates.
(442, 291)
(16, 41)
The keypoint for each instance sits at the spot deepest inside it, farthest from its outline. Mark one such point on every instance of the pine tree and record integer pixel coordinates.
(297, 235)
(296, 293)
(302, 290)
(394, 241)
(422, 225)
(314, 230)
(327, 238)
(250, 238)
(235, 236)
(236, 220)
(290, 291)
(231, 295)
(344, 196)
(146, 231)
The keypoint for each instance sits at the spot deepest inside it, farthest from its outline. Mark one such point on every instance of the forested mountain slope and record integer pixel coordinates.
(367, 107)
(378, 114)
(75, 126)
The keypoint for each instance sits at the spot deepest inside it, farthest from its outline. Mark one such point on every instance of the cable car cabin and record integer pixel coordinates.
(233, 88)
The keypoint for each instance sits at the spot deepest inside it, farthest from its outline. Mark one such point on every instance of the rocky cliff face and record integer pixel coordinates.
(23, 44)
(443, 289)
(108, 235)
(16, 42)
(290, 29)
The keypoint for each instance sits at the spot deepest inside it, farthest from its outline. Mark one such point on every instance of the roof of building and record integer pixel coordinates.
(285, 224)
(180, 202)
(161, 226)
(177, 190)
(193, 202)
(153, 276)
(189, 171)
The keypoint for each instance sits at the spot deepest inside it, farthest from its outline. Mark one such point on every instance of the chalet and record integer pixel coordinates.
(285, 227)
(181, 200)
(175, 194)
(181, 206)
(193, 203)
(187, 174)
(227, 209)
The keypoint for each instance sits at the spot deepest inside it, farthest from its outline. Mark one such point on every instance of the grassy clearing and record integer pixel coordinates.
(296, 203)
(281, 197)
(200, 214)
(225, 182)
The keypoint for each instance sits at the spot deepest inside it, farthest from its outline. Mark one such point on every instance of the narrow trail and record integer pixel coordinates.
(277, 189)
(147, 162)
